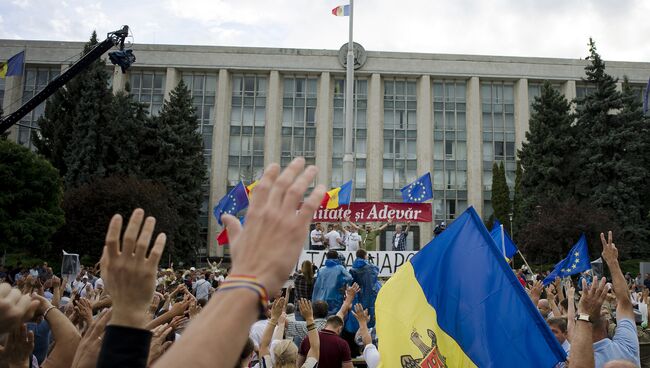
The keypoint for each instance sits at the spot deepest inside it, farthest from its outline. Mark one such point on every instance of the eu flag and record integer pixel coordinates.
(576, 262)
(419, 190)
(503, 240)
(434, 312)
(232, 203)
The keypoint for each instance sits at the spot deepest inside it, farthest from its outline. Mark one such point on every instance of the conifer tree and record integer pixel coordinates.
(173, 156)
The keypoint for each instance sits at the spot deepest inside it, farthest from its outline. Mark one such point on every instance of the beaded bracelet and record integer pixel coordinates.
(246, 282)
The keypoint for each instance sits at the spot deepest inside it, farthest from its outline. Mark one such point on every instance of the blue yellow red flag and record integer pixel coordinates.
(13, 66)
(341, 11)
(457, 303)
(338, 196)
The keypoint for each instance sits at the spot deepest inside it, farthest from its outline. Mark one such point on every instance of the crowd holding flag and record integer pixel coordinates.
(338, 196)
(418, 191)
(13, 66)
(503, 240)
(434, 312)
(575, 262)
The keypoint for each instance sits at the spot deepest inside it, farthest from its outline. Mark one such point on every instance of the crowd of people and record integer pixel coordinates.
(126, 311)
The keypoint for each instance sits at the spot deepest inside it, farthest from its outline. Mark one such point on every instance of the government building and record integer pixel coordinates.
(451, 115)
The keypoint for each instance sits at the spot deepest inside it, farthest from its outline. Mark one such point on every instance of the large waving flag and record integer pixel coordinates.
(232, 203)
(575, 262)
(341, 11)
(13, 66)
(503, 240)
(419, 190)
(435, 311)
(338, 196)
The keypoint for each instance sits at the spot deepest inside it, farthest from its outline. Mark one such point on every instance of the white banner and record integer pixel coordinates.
(388, 262)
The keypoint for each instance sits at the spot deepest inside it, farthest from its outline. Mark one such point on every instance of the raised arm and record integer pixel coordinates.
(276, 310)
(65, 333)
(571, 313)
(347, 219)
(408, 227)
(384, 226)
(582, 351)
(551, 301)
(312, 332)
(536, 292)
(350, 293)
(272, 207)
(624, 308)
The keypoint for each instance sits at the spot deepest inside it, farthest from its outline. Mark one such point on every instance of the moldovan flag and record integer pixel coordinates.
(457, 303)
(13, 66)
(338, 196)
(251, 186)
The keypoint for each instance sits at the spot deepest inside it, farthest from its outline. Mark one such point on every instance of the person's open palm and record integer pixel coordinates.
(129, 273)
(262, 250)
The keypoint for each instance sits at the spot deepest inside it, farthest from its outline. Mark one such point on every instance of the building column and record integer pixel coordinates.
(522, 112)
(424, 147)
(569, 91)
(375, 140)
(474, 146)
(273, 131)
(119, 80)
(12, 101)
(171, 81)
(324, 126)
(220, 147)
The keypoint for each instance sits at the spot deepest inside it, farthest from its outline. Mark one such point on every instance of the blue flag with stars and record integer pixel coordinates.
(419, 190)
(232, 203)
(577, 261)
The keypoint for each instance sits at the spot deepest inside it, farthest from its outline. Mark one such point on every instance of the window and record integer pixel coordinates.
(498, 131)
(400, 136)
(299, 119)
(203, 89)
(449, 147)
(247, 120)
(148, 87)
(35, 80)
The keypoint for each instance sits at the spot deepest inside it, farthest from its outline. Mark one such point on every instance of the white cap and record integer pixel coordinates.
(99, 283)
(192, 269)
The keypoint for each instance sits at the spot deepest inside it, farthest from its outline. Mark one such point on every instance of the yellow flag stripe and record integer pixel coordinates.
(404, 319)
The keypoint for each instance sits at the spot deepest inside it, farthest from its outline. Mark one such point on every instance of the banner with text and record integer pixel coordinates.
(387, 262)
(376, 212)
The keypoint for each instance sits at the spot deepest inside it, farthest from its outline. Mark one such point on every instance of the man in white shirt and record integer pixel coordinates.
(353, 240)
(202, 287)
(316, 237)
(334, 240)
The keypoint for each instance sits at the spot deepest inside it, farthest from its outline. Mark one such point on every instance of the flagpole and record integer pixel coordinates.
(522, 257)
(348, 161)
(503, 241)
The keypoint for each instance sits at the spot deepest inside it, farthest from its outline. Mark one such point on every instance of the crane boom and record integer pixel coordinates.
(123, 58)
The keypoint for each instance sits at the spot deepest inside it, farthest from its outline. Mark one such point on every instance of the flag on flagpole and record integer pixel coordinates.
(433, 313)
(575, 262)
(341, 11)
(251, 186)
(338, 196)
(235, 201)
(503, 240)
(13, 66)
(419, 190)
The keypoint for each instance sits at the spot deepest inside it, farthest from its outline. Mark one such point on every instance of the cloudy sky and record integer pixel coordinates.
(542, 28)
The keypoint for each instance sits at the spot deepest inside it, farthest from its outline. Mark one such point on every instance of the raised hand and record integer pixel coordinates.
(18, 350)
(278, 308)
(178, 322)
(306, 310)
(273, 206)
(15, 308)
(351, 291)
(158, 344)
(593, 297)
(361, 314)
(610, 252)
(129, 273)
(91, 342)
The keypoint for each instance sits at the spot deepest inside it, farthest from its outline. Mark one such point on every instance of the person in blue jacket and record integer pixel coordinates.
(365, 275)
(331, 283)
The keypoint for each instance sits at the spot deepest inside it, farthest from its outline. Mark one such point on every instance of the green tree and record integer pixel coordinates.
(501, 195)
(89, 208)
(610, 176)
(173, 156)
(547, 155)
(30, 200)
(517, 199)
